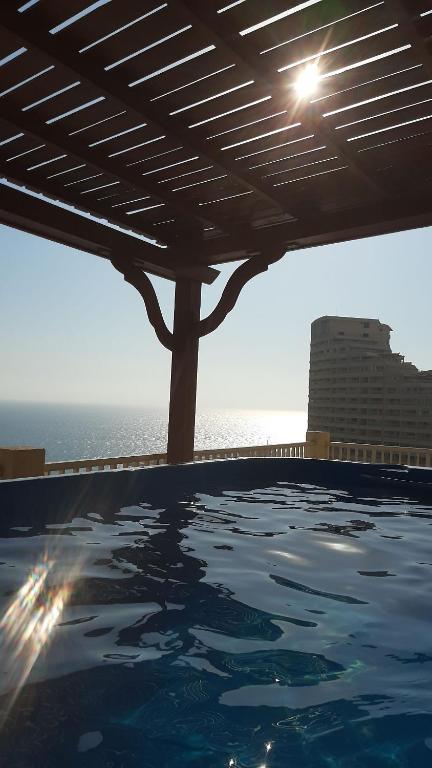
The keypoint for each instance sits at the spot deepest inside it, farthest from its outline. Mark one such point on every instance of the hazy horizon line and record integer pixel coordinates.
(153, 406)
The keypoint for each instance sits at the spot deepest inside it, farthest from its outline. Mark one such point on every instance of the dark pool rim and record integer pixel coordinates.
(103, 491)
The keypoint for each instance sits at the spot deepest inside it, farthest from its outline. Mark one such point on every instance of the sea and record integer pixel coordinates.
(93, 431)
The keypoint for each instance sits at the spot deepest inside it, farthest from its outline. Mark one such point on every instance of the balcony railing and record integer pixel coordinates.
(381, 454)
(282, 450)
(30, 462)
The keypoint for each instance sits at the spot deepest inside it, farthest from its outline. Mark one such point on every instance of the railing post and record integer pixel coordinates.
(317, 445)
(184, 370)
(21, 461)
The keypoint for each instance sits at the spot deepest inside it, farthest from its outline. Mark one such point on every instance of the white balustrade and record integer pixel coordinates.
(282, 450)
(357, 452)
(381, 454)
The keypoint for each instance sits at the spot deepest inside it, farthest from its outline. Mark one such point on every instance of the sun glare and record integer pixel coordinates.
(307, 81)
(27, 627)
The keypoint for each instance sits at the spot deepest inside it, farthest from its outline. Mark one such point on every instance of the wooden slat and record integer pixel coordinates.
(157, 58)
(63, 103)
(89, 28)
(351, 79)
(357, 52)
(99, 120)
(185, 75)
(213, 111)
(325, 25)
(161, 155)
(259, 141)
(392, 135)
(17, 71)
(39, 217)
(147, 34)
(41, 87)
(407, 16)
(322, 41)
(49, 13)
(273, 131)
(210, 80)
(327, 187)
(243, 123)
(366, 90)
(384, 99)
(24, 144)
(382, 150)
(310, 163)
(282, 146)
(54, 189)
(378, 121)
(254, 11)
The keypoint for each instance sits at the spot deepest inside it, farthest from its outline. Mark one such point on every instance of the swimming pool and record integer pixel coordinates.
(248, 613)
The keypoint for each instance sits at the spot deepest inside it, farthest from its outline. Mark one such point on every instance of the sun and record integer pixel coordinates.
(307, 82)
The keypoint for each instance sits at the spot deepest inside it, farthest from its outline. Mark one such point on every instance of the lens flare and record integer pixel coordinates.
(27, 626)
(307, 82)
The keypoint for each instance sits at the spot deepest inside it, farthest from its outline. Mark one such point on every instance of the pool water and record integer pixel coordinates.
(287, 627)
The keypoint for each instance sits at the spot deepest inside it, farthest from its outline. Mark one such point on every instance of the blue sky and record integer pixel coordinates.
(73, 331)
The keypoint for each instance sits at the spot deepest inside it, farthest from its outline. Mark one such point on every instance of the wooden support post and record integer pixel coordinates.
(184, 340)
(184, 371)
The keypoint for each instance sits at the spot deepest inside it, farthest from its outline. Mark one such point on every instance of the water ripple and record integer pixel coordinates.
(287, 626)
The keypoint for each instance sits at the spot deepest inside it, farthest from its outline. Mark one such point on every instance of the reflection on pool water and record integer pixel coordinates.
(286, 627)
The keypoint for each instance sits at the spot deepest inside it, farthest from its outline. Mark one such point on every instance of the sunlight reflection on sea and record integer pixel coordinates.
(90, 431)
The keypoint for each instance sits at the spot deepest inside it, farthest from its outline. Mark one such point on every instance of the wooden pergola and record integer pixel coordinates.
(212, 131)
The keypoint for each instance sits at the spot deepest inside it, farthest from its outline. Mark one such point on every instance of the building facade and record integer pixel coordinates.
(362, 392)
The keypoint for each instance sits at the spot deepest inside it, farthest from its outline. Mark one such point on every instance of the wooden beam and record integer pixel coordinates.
(39, 217)
(366, 221)
(349, 224)
(35, 215)
(184, 372)
(52, 188)
(31, 215)
(359, 231)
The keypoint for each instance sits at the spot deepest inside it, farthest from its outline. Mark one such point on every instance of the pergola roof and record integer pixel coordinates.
(180, 120)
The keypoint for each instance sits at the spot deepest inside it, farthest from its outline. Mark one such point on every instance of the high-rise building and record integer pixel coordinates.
(360, 391)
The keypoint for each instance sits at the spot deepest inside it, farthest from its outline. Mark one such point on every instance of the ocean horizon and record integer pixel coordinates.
(76, 431)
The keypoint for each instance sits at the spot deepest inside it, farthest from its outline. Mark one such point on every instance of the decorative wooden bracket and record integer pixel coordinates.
(245, 272)
(136, 277)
